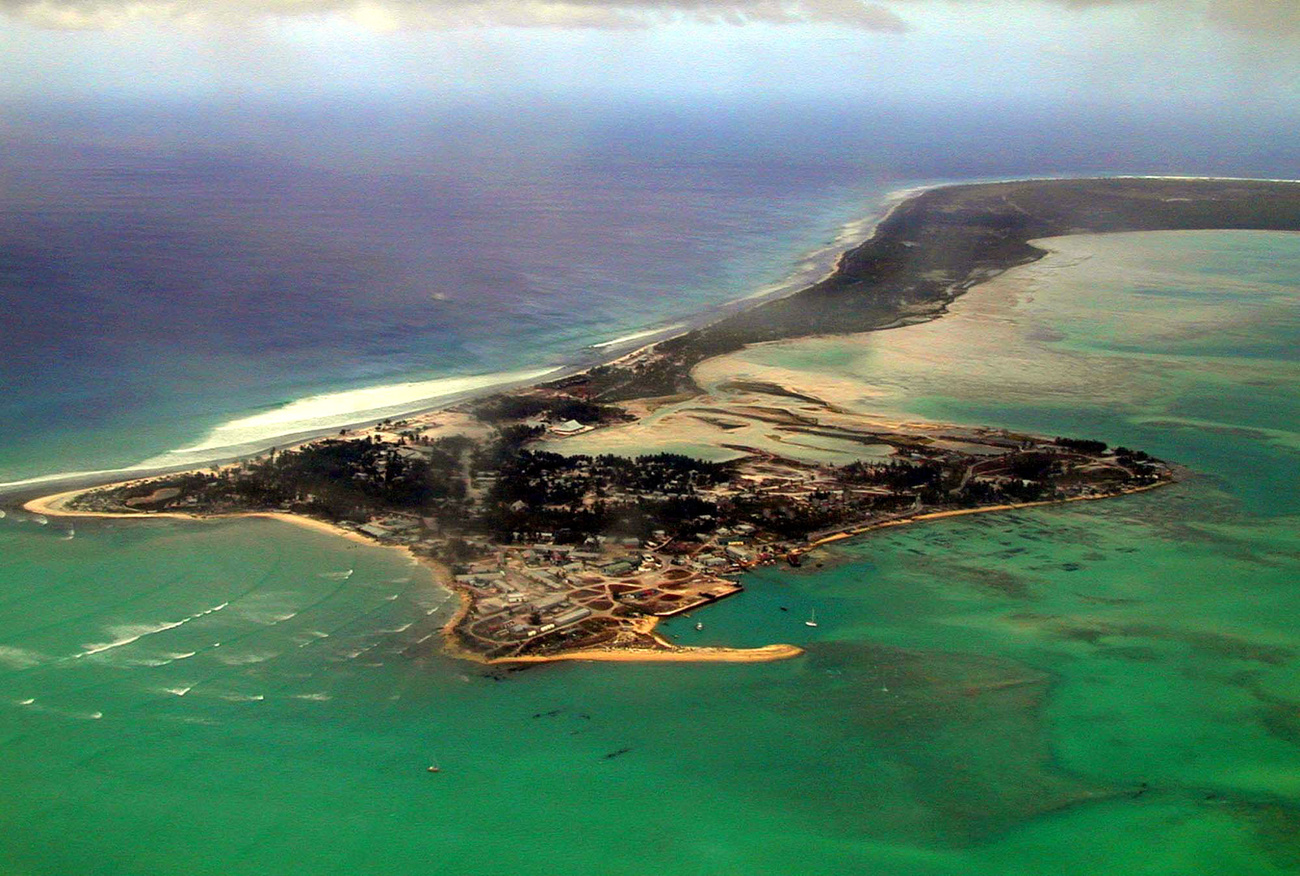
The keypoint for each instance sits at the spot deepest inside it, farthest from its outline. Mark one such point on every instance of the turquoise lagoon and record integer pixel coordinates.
(1108, 687)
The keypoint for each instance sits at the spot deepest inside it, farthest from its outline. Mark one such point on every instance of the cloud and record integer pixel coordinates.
(1278, 18)
(446, 14)
(1275, 18)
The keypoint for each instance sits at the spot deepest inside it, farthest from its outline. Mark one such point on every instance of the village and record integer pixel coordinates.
(537, 596)
(557, 552)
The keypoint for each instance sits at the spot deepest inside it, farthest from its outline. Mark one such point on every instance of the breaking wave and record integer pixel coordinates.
(334, 409)
(636, 336)
(316, 413)
(130, 633)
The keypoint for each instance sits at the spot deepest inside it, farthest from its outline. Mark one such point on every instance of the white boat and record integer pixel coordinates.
(812, 620)
(699, 626)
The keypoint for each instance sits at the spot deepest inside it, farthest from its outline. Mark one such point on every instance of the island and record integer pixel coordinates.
(560, 555)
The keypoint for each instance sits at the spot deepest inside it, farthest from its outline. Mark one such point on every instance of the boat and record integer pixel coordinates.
(699, 626)
(812, 620)
(434, 768)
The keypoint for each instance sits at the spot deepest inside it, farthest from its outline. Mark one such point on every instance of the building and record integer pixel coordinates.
(572, 616)
(568, 427)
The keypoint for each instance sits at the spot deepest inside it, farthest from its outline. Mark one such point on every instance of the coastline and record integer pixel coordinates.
(668, 653)
(761, 654)
(826, 261)
(965, 512)
(845, 266)
(830, 255)
(836, 255)
(54, 506)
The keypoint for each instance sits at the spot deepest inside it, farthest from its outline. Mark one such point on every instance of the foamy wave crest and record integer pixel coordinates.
(316, 413)
(335, 576)
(130, 633)
(162, 660)
(242, 698)
(636, 336)
(99, 473)
(314, 697)
(334, 409)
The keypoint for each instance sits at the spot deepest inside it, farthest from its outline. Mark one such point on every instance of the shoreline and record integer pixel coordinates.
(605, 353)
(965, 512)
(583, 360)
(856, 269)
(447, 631)
(53, 506)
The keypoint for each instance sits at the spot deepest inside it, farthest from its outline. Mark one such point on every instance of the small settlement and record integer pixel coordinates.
(555, 552)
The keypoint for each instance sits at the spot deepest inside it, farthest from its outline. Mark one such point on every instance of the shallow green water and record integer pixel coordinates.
(1108, 687)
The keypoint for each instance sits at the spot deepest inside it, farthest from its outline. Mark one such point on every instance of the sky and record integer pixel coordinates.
(1201, 56)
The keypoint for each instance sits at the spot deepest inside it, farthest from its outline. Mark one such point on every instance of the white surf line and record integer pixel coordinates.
(332, 409)
(823, 262)
(850, 237)
(1194, 178)
(316, 414)
(91, 650)
(636, 336)
(176, 458)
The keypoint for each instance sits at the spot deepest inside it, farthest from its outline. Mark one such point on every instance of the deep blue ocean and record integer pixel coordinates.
(168, 270)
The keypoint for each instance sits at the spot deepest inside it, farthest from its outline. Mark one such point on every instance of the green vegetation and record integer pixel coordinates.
(546, 492)
(507, 407)
(1082, 445)
(337, 479)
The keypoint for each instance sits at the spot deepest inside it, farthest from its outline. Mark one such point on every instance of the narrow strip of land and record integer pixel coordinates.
(569, 557)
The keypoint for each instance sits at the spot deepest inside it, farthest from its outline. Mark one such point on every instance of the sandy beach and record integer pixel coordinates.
(797, 398)
(55, 506)
(764, 654)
